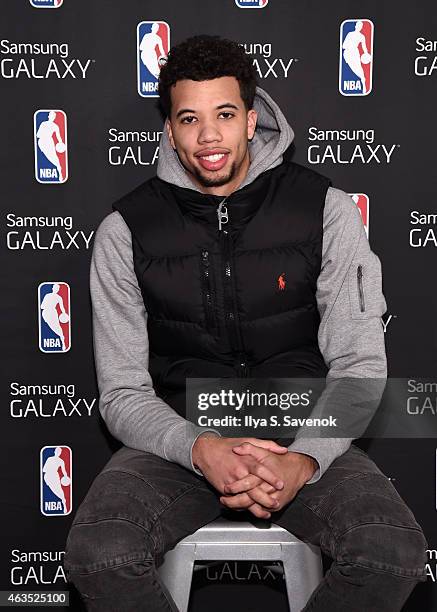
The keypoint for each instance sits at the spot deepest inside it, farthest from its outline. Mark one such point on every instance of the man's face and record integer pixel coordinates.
(209, 118)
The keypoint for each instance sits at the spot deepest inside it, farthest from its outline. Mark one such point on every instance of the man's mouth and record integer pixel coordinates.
(215, 161)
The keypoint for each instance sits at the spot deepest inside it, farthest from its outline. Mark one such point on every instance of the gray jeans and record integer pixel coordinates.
(139, 506)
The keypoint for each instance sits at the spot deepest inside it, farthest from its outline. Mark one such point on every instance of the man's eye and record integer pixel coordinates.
(187, 119)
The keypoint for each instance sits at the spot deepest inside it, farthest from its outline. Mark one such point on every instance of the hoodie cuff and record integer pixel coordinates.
(323, 450)
(179, 442)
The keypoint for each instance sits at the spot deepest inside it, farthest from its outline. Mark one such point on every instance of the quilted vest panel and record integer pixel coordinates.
(235, 301)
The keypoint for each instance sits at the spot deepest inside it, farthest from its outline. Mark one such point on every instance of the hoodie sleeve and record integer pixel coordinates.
(128, 404)
(351, 339)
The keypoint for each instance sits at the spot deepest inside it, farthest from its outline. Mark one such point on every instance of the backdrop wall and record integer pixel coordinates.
(80, 74)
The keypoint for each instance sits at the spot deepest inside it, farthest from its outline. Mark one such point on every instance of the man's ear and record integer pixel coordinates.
(170, 133)
(252, 117)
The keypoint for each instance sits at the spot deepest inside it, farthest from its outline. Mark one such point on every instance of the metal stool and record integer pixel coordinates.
(229, 540)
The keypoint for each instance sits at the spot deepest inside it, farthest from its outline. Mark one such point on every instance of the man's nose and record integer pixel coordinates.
(208, 133)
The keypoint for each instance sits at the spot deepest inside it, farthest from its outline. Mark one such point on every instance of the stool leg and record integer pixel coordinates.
(177, 572)
(302, 576)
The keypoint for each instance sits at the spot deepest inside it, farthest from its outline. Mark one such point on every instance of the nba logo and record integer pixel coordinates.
(362, 201)
(50, 142)
(356, 57)
(46, 3)
(251, 3)
(153, 43)
(54, 320)
(55, 476)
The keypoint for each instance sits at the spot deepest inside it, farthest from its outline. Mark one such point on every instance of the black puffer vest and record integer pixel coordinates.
(236, 301)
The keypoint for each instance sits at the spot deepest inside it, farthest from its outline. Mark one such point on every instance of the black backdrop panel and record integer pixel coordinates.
(49, 395)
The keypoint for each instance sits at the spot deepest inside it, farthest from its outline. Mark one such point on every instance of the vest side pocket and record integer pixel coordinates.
(208, 290)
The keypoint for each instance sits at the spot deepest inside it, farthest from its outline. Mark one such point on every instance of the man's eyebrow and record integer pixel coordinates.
(190, 110)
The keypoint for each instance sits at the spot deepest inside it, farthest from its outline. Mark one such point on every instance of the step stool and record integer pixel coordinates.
(228, 540)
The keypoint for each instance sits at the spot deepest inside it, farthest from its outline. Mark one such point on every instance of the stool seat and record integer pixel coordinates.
(231, 540)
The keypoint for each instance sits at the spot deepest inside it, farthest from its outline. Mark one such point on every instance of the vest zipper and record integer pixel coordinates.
(244, 370)
(207, 291)
(360, 287)
(222, 214)
(229, 296)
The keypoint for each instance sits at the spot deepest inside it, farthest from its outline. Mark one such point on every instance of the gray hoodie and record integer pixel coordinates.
(351, 341)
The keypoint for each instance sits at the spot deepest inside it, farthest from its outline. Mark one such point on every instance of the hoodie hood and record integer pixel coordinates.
(273, 135)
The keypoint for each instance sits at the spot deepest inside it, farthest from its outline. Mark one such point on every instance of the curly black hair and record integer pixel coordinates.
(204, 57)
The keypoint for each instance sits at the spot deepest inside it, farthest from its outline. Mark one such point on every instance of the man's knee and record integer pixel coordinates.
(105, 544)
(385, 537)
(113, 526)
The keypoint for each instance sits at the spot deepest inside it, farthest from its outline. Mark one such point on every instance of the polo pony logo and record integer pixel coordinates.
(281, 281)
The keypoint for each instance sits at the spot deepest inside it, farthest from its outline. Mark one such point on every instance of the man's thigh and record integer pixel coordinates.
(162, 500)
(353, 506)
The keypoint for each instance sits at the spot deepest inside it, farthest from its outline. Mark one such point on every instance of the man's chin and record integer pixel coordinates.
(215, 179)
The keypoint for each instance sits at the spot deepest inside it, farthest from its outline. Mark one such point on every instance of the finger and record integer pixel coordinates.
(245, 484)
(263, 498)
(265, 486)
(236, 501)
(249, 449)
(239, 486)
(262, 471)
(270, 445)
(258, 511)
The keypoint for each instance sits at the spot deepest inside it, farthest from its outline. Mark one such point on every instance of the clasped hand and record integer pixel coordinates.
(256, 475)
(261, 497)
